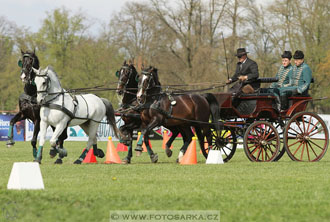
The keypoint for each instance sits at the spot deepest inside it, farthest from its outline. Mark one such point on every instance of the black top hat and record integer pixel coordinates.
(241, 52)
(298, 55)
(287, 54)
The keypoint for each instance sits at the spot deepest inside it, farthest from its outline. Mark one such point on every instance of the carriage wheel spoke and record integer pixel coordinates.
(307, 150)
(316, 145)
(312, 149)
(304, 127)
(302, 151)
(298, 124)
(309, 123)
(313, 127)
(316, 132)
(297, 149)
(294, 143)
(295, 131)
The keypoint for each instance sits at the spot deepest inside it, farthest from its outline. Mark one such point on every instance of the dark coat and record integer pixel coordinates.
(250, 69)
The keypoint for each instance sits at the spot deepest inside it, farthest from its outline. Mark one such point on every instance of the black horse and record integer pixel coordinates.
(28, 107)
(127, 87)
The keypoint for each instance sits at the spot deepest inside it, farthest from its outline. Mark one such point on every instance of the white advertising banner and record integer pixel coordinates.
(75, 133)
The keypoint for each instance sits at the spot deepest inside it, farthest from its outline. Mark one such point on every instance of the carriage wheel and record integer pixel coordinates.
(306, 137)
(225, 141)
(261, 142)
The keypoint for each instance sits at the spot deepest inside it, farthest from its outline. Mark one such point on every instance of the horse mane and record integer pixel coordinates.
(49, 67)
(156, 78)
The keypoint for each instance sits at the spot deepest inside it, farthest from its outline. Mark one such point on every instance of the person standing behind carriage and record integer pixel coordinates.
(246, 72)
(299, 81)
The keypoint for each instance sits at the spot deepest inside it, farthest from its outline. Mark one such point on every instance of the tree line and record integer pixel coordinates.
(189, 41)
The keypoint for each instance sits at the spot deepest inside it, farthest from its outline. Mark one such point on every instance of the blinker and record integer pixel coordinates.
(20, 63)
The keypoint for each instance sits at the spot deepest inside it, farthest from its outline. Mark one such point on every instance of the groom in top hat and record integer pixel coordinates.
(246, 72)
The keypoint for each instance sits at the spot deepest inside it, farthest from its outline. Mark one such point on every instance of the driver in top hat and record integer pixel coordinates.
(246, 72)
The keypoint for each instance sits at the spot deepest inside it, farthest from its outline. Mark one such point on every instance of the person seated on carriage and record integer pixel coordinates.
(247, 74)
(283, 75)
(299, 80)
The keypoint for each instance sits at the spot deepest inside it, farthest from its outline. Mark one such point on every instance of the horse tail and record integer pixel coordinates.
(214, 107)
(110, 113)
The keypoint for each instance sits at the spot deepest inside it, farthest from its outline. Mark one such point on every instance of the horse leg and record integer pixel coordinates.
(153, 156)
(175, 133)
(53, 142)
(129, 156)
(18, 117)
(35, 137)
(43, 131)
(90, 129)
(187, 135)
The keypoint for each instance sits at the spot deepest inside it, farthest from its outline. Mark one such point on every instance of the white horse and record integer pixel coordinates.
(61, 109)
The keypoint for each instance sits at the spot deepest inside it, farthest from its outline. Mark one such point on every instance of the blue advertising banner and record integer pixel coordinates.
(18, 128)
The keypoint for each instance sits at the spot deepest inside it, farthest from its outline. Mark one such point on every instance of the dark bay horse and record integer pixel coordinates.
(28, 107)
(187, 110)
(127, 87)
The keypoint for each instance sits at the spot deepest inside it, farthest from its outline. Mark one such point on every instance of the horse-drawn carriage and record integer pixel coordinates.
(268, 133)
(265, 131)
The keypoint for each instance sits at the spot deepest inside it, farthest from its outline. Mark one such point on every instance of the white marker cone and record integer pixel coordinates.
(214, 157)
(25, 176)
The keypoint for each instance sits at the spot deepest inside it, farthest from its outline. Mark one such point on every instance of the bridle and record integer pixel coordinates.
(25, 70)
(125, 83)
(149, 84)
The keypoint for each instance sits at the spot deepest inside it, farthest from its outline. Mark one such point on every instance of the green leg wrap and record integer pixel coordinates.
(9, 132)
(83, 155)
(34, 151)
(140, 142)
(149, 149)
(39, 153)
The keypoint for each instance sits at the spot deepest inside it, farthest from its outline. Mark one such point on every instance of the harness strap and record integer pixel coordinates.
(61, 108)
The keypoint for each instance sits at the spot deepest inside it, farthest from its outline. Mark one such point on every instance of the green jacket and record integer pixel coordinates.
(301, 77)
(283, 75)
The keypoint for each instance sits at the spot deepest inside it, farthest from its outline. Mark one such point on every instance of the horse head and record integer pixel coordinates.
(148, 80)
(127, 76)
(29, 60)
(47, 84)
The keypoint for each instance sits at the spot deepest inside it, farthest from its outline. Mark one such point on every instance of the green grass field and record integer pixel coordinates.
(240, 190)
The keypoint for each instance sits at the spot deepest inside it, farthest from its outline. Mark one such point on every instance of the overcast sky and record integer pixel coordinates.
(31, 13)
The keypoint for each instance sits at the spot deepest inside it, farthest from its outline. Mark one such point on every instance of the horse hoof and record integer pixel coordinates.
(53, 152)
(62, 152)
(138, 148)
(100, 153)
(154, 158)
(37, 161)
(10, 144)
(168, 152)
(138, 153)
(58, 161)
(77, 162)
(126, 161)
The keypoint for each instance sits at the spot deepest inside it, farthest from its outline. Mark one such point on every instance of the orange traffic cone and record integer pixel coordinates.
(121, 147)
(206, 147)
(90, 157)
(190, 157)
(165, 139)
(112, 155)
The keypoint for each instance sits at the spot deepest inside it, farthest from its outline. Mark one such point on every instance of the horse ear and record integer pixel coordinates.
(22, 52)
(130, 62)
(34, 51)
(124, 62)
(37, 71)
(142, 66)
